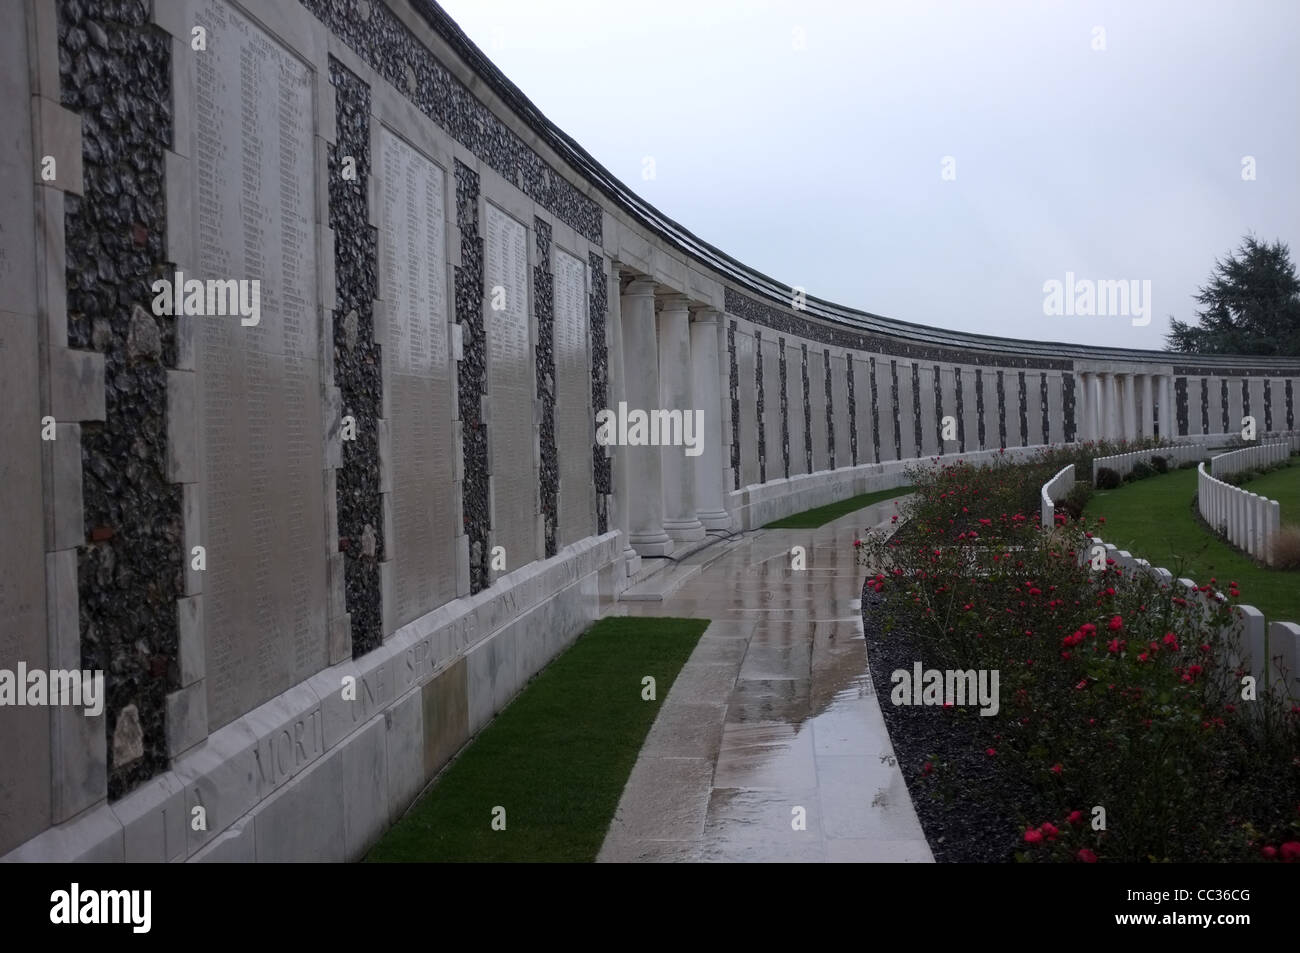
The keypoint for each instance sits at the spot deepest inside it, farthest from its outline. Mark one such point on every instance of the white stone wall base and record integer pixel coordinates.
(309, 776)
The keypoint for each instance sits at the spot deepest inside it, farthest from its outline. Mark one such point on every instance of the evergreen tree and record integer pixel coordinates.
(1250, 306)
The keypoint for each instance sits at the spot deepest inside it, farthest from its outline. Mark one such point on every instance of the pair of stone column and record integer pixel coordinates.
(1098, 405)
(1110, 410)
(1109, 405)
(666, 362)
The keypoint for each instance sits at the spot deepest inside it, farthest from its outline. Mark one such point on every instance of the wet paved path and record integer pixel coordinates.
(774, 711)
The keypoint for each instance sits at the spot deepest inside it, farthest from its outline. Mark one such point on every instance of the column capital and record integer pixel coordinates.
(706, 316)
(675, 302)
(640, 287)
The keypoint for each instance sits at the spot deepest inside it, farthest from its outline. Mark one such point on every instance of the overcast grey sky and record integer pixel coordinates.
(807, 140)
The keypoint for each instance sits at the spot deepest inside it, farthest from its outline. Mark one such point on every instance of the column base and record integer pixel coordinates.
(715, 519)
(651, 544)
(684, 531)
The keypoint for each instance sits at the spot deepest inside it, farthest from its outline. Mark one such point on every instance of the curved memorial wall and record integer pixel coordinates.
(340, 391)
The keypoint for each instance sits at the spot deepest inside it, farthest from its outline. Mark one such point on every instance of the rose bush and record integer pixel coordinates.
(1121, 706)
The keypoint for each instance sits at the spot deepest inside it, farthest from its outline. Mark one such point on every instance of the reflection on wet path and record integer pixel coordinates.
(772, 719)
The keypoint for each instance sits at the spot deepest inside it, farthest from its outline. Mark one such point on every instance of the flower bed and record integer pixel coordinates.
(1122, 733)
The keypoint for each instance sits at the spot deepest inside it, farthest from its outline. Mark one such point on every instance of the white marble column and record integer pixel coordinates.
(710, 508)
(641, 389)
(1168, 417)
(680, 521)
(1148, 412)
(617, 394)
(1083, 407)
(1106, 406)
(1098, 407)
(1128, 404)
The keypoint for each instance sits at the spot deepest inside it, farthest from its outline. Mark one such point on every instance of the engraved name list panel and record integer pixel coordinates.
(260, 420)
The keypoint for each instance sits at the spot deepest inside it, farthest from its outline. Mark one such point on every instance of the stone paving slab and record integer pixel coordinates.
(771, 746)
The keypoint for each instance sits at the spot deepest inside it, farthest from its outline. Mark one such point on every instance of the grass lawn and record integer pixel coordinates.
(811, 519)
(1283, 486)
(556, 758)
(1154, 519)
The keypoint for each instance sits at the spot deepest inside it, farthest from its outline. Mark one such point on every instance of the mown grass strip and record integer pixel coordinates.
(1155, 519)
(1282, 485)
(821, 515)
(557, 758)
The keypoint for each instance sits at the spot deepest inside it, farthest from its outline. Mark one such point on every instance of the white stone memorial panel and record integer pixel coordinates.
(927, 411)
(840, 410)
(261, 443)
(745, 367)
(794, 388)
(817, 402)
(772, 408)
(24, 731)
(512, 386)
(574, 418)
(417, 379)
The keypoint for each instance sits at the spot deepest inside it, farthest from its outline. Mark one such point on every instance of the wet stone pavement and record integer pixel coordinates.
(772, 719)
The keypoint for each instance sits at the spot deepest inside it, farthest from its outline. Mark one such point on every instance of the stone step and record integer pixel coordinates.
(664, 579)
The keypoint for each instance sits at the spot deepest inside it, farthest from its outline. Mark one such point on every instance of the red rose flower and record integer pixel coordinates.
(1033, 837)
(1086, 856)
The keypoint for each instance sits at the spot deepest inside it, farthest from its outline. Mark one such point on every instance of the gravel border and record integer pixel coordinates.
(966, 807)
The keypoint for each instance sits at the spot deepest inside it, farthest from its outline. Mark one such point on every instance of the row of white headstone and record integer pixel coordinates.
(1252, 458)
(1248, 521)
(1055, 489)
(1122, 463)
(1269, 652)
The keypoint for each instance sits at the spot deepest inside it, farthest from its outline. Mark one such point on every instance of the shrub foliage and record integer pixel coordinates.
(1117, 691)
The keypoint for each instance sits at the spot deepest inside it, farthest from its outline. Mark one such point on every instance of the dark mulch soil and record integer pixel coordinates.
(967, 807)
